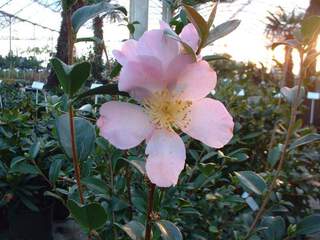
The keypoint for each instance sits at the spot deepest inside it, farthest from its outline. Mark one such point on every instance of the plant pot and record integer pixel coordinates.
(29, 225)
(60, 211)
(4, 225)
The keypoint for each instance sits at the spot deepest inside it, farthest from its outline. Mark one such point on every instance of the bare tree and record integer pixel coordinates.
(62, 44)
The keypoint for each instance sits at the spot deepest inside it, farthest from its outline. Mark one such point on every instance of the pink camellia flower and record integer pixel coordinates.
(171, 89)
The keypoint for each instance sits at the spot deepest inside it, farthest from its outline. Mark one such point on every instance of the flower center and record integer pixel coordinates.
(166, 110)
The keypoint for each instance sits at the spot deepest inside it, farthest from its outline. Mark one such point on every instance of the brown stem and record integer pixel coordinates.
(128, 178)
(41, 173)
(113, 219)
(107, 57)
(152, 188)
(293, 117)
(74, 154)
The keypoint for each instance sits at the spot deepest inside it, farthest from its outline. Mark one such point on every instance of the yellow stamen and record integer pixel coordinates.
(167, 111)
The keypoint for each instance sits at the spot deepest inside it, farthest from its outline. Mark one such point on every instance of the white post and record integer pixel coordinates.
(45, 100)
(37, 95)
(166, 12)
(313, 96)
(139, 10)
(312, 111)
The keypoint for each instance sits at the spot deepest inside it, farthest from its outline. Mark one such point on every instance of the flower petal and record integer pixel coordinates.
(166, 158)
(142, 76)
(210, 123)
(196, 81)
(177, 65)
(124, 125)
(190, 36)
(127, 52)
(156, 44)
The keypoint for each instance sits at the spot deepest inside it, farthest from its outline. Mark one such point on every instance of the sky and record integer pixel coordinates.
(247, 43)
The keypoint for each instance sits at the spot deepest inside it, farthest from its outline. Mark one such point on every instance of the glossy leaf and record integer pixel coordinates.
(109, 89)
(200, 24)
(252, 181)
(310, 138)
(170, 33)
(222, 30)
(95, 184)
(309, 225)
(210, 58)
(71, 77)
(24, 168)
(85, 136)
(55, 168)
(274, 155)
(139, 165)
(134, 229)
(82, 15)
(275, 227)
(168, 230)
(34, 150)
(213, 14)
(91, 216)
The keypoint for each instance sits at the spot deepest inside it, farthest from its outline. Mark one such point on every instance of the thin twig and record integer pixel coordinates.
(128, 178)
(293, 117)
(152, 188)
(74, 154)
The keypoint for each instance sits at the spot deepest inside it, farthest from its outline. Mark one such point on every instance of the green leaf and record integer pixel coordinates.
(200, 24)
(170, 33)
(55, 169)
(309, 225)
(110, 89)
(274, 155)
(17, 160)
(71, 77)
(310, 138)
(168, 230)
(310, 27)
(239, 157)
(139, 165)
(213, 14)
(210, 58)
(252, 181)
(28, 203)
(82, 15)
(207, 168)
(95, 184)
(276, 227)
(134, 229)
(34, 150)
(91, 216)
(24, 168)
(85, 136)
(222, 30)
(116, 70)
